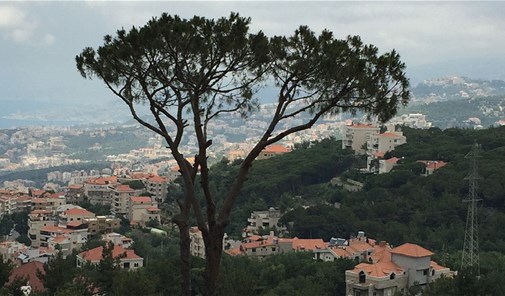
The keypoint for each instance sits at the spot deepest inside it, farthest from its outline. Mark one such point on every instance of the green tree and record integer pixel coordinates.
(57, 272)
(196, 69)
(5, 271)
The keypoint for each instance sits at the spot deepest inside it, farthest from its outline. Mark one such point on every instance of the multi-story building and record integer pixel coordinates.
(75, 194)
(98, 190)
(157, 187)
(37, 219)
(7, 205)
(102, 224)
(143, 210)
(197, 246)
(75, 215)
(263, 220)
(356, 136)
(121, 195)
(385, 142)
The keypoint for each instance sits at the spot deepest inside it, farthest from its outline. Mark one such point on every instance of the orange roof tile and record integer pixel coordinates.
(411, 250)
(59, 239)
(360, 246)
(391, 135)
(234, 251)
(23, 198)
(276, 149)
(140, 199)
(103, 180)
(308, 244)
(157, 179)
(75, 186)
(124, 188)
(95, 254)
(153, 209)
(436, 266)
(38, 192)
(433, 164)
(378, 269)
(78, 212)
(29, 270)
(39, 200)
(253, 245)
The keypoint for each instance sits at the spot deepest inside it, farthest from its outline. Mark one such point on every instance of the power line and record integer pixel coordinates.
(470, 256)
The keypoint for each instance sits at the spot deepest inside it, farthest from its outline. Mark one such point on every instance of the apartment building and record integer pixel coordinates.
(356, 136)
(121, 195)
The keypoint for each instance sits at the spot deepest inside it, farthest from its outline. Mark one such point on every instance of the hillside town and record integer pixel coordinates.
(57, 224)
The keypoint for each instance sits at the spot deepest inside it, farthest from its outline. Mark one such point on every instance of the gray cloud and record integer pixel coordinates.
(426, 34)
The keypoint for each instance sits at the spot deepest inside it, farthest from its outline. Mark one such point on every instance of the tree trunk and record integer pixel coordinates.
(213, 252)
(184, 246)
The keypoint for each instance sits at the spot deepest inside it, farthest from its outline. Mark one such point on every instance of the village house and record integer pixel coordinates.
(431, 166)
(394, 270)
(126, 257)
(272, 150)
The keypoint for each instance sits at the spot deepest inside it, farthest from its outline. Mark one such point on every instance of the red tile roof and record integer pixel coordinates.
(276, 149)
(153, 209)
(308, 244)
(436, 266)
(78, 212)
(29, 270)
(38, 192)
(378, 269)
(157, 179)
(124, 188)
(103, 181)
(411, 250)
(391, 135)
(75, 186)
(95, 255)
(433, 164)
(140, 199)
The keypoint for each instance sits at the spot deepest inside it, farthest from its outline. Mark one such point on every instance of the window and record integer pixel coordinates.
(362, 277)
(425, 272)
(136, 264)
(392, 276)
(126, 265)
(357, 293)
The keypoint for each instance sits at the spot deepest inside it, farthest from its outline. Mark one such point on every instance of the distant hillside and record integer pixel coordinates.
(456, 88)
(459, 102)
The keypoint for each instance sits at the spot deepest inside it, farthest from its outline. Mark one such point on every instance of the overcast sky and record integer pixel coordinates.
(39, 40)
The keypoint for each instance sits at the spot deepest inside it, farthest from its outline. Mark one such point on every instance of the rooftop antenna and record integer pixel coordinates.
(470, 256)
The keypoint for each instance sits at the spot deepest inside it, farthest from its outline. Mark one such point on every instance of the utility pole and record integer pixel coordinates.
(470, 256)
